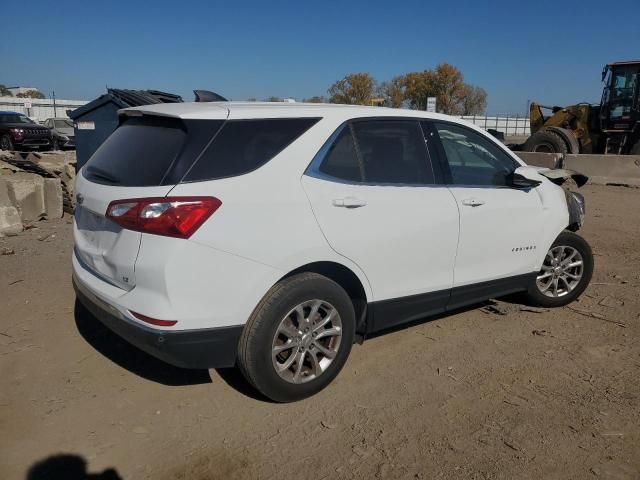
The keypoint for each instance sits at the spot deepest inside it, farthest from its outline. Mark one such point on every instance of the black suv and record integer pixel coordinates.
(18, 132)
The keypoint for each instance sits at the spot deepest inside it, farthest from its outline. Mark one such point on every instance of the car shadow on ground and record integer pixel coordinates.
(144, 365)
(66, 466)
(131, 358)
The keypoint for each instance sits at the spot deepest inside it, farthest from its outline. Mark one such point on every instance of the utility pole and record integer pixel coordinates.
(55, 112)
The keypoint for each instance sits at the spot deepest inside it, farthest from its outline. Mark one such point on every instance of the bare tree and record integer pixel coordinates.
(474, 100)
(393, 92)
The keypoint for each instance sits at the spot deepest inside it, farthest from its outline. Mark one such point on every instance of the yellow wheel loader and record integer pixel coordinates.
(612, 127)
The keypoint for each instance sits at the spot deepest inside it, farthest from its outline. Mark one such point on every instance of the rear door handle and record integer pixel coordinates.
(349, 202)
(472, 202)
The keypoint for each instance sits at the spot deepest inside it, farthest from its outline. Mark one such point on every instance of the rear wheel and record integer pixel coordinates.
(566, 272)
(6, 143)
(545, 141)
(298, 338)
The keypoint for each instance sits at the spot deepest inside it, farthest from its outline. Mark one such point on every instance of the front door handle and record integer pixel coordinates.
(472, 202)
(349, 202)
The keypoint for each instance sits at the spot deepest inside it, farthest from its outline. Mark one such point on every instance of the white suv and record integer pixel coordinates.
(274, 236)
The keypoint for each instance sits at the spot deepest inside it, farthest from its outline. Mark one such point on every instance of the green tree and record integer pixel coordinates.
(353, 89)
(273, 99)
(4, 91)
(31, 94)
(315, 99)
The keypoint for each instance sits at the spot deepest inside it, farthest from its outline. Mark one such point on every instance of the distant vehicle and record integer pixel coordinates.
(19, 132)
(613, 126)
(270, 235)
(63, 133)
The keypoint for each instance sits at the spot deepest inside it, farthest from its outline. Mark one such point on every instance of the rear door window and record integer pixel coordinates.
(242, 146)
(341, 160)
(393, 151)
(378, 151)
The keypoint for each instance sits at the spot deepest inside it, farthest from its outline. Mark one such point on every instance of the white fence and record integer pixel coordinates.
(40, 109)
(509, 125)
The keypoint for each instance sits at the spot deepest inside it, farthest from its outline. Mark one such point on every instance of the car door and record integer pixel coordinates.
(372, 190)
(500, 226)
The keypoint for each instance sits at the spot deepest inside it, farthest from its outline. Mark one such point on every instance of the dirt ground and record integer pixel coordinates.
(497, 392)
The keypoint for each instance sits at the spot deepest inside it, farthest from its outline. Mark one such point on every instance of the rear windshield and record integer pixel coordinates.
(151, 151)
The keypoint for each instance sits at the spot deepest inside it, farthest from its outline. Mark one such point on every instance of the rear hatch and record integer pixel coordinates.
(145, 157)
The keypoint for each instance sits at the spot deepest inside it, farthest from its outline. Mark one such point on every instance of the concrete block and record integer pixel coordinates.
(549, 160)
(10, 222)
(53, 197)
(26, 191)
(5, 200)
(606, 169)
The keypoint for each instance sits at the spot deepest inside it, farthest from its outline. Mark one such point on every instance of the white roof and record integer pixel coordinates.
(247, 110)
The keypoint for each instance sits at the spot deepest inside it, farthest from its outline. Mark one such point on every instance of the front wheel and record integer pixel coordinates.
(566, 272)
(298, 338)
(6, 143)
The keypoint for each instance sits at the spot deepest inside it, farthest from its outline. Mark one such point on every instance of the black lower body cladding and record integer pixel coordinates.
(202, 348)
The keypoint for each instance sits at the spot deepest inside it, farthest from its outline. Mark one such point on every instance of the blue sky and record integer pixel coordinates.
(551, 51)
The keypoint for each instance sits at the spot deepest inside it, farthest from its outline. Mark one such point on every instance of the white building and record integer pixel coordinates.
(16, 90)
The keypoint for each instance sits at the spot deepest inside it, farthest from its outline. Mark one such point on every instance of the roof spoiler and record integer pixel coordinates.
(207, 96)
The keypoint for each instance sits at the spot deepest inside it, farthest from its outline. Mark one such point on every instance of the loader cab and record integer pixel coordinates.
(620, 106)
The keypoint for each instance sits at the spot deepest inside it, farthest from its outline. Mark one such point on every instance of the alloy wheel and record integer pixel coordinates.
(561, 271)
(307, 341)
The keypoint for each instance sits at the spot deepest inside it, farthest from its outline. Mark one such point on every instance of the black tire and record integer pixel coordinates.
(6, 143)
(573, 145)
(545, 141)
(575, 241)
(635, 150)
(255, 346)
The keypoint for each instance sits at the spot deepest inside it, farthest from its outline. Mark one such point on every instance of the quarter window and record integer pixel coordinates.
(242, 146)
(472, 158)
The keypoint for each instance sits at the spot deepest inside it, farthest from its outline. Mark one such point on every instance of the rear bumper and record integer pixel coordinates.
(201, 348)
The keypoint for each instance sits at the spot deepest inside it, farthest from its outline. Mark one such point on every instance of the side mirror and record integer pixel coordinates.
(524, 177)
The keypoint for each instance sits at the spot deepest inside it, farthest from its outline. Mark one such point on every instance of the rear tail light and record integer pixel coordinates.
(176, 217)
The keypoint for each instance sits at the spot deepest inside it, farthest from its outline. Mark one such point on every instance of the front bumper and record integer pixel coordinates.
(201, 348)
(33, 142)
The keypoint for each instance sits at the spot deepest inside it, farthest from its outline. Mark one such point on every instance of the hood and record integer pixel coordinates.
(23, 125)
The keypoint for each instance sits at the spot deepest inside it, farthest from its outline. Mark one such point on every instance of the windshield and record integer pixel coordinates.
(15, 119)
(620, 89)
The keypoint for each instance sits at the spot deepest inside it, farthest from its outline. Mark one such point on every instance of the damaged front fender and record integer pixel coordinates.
(575, 205)
(561, 175)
